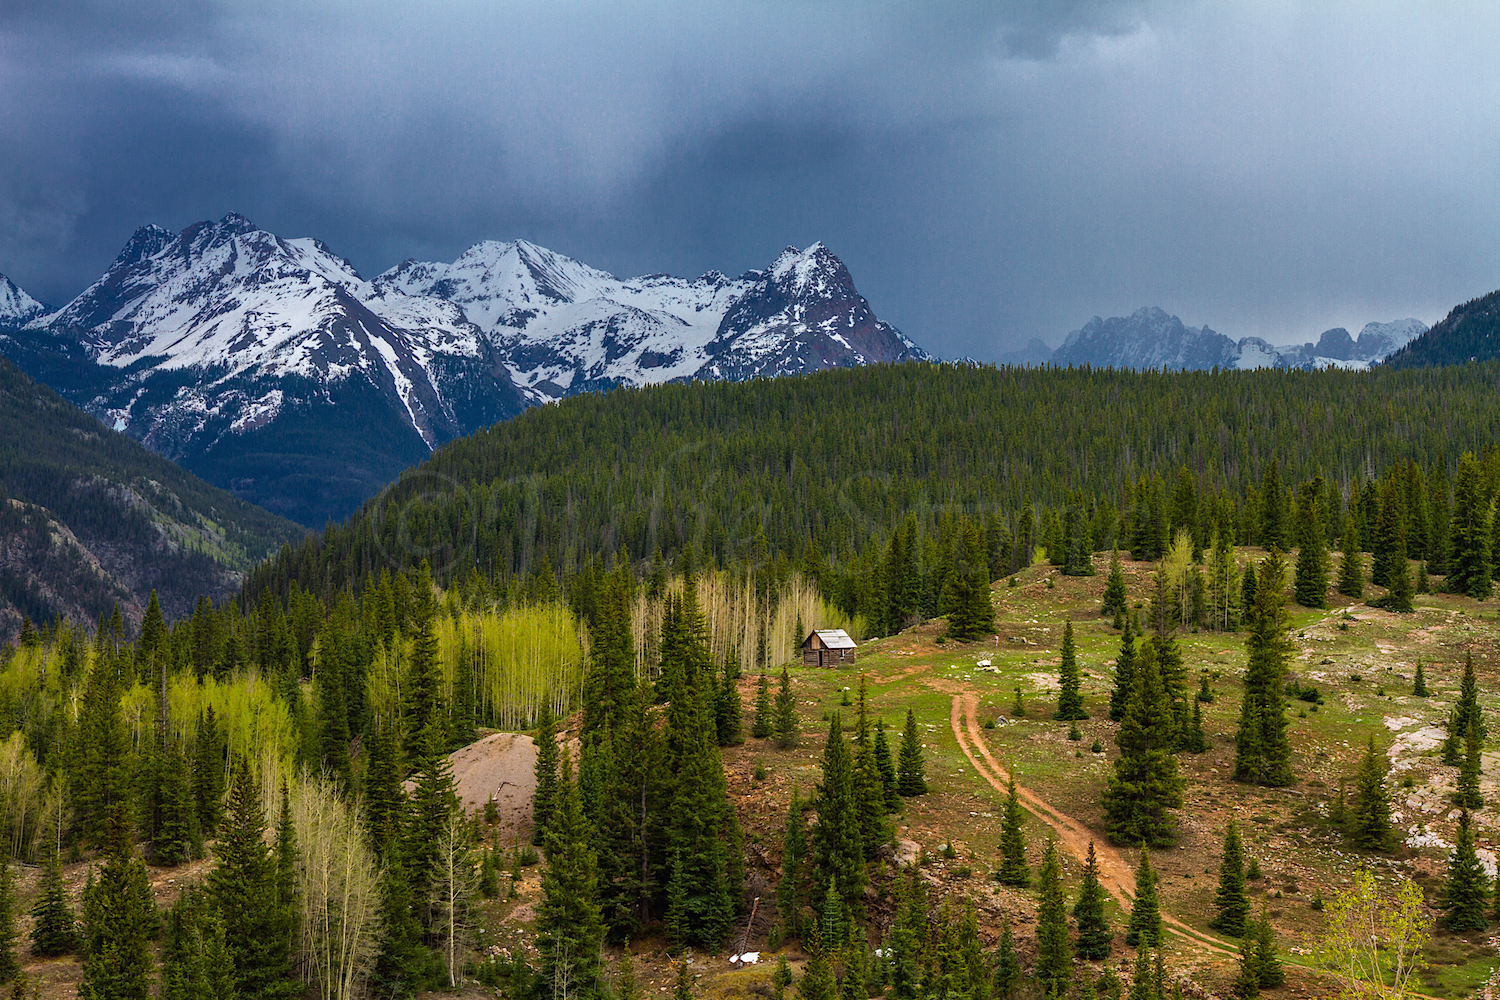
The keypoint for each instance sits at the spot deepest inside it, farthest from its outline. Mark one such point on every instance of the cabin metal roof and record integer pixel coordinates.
(833, 638)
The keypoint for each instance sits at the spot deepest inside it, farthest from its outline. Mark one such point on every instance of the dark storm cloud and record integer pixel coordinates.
(990, 172)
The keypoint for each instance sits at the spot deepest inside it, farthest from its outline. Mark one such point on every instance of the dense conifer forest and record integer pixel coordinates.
(628, 577)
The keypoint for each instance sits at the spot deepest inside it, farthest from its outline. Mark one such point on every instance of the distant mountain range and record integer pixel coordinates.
(1150, 338)
(90, 518)
(270, 367)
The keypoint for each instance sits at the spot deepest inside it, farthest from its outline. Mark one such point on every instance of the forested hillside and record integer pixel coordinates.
(90, 517)
(824, 471)
(1471, 332)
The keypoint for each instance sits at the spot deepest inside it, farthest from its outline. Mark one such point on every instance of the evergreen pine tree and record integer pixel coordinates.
(910, 769)
(1094, 934)
(786, 713)
(9, 964)
(817, 982)
(869, 781)
(1246, 983)
(1268, 971)
(210, 760)
(1144, 927)
(1054, 964)
(546, 773)
(1370, 820)
(1419, 682)
(1115, 594)
(1119, 697)
(1470, 543)
(838, 852)
(423, 708)
(1069, 697)
(887, 767)
(1231, 905)
(1196, 740)
(1464, 713)
(1013, 868)
(1273, 532)
(967, 590)
(761, 727)
(1469, 770)
(119, 917)
(1007, 979)
(1145, 782)
(570, 928)
(53, 929)
(244, 885)
(1142, 983)
(1467, 888)
(1262, 750)
(795, 864)
(1351, 563)
(1311, 587)
(727, 708)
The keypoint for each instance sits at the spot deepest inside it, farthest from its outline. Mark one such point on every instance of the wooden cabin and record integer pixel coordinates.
(828, 647)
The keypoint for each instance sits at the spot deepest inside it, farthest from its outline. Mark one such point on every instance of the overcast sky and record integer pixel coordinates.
(990, 173)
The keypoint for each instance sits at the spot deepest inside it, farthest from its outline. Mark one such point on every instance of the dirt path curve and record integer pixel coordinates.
(1117, 877)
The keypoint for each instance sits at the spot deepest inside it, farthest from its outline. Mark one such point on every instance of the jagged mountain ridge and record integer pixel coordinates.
(1151, 338)
(16, 307)
(565, 327)
(269, 366)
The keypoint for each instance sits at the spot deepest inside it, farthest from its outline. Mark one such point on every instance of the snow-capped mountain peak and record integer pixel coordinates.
(565, 327)
(17, 307)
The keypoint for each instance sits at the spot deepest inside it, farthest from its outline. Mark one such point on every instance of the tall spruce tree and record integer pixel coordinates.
(1466, 890)
(244, 885)
(1119, 696)
(887, 766)
(53, 929)
(786, 713)
(1471, 569)
(1311, 587)
(546, 773)
(1069, 697)
(9, 964)
(1115, 595)
(1231, 904)
(570, 928)
(1351, 562)
(1145, 783)
(1464, 713)
(1468, 795)
(1419, 681)
(971, 613)
(1273, 533)
(1370, 818)
(119, 918)
(610, 684)
(1013, 868)
(791, 889)
(1264, 962)
(838, 851)
(1144, 927)
(1262, 751)
(910, 770)
(1054, 964)
(1095, 937)
(761, 727)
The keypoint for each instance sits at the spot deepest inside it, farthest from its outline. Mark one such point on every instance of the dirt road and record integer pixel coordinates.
(1117, 877)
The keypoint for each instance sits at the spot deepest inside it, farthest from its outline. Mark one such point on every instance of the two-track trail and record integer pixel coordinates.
(1117, 877)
